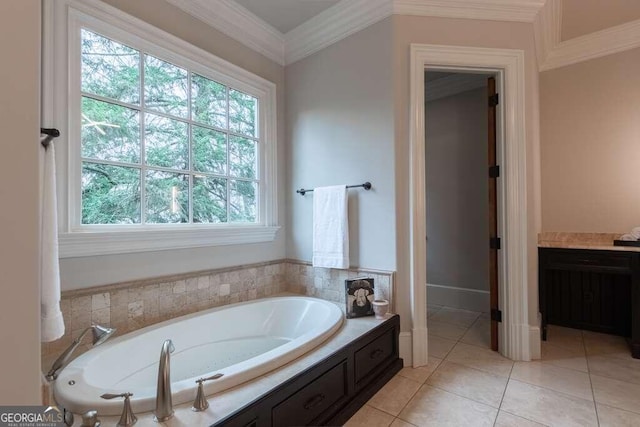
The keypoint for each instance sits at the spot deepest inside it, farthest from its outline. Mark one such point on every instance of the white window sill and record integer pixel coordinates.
(82, 244)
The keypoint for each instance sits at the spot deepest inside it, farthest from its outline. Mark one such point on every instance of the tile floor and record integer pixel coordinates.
(583, 379)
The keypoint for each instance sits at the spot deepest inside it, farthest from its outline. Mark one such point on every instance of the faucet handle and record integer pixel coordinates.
(90, 419)
(128, 418)
(200, 404)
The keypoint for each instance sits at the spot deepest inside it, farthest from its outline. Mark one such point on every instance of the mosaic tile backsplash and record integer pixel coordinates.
(134, 305)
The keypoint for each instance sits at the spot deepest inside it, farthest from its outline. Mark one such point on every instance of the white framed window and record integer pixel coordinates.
(165, 145)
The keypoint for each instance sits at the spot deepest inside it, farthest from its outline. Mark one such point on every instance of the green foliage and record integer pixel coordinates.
(210, 168)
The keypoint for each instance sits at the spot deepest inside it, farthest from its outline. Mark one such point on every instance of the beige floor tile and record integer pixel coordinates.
(421, 373)
(456, 316)
(605, 345)
(368, 416)
(445, 330)
(401, 423)
(568, 338)
(547, 406)
(565, 358)
(470, 383)
(440, 347)
(480, 358)
(394, 395)
(623, 369)
(564, 380)
(613, 417)
(616, 393)
(479, 333)
(506, 419)
(434, 407)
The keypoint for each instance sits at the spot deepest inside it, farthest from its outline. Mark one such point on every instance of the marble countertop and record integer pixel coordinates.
(594, 241)
(227, 402)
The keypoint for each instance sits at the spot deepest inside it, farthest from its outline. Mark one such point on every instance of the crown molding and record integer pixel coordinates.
(546, 29)
(494, 10)
(595, 45)
(452, 85)
(238, 23)
(334, 24)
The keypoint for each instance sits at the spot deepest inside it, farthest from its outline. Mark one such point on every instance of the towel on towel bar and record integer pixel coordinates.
(51, 321)
(330, 227)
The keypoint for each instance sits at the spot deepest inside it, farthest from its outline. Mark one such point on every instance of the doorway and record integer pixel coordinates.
(461, 208)
(515, 336)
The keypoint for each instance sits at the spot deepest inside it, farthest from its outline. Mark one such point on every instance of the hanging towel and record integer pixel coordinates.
(330, 227)
(51, 322)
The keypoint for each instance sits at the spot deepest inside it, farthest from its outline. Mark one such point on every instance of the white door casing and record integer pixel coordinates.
(512, 190)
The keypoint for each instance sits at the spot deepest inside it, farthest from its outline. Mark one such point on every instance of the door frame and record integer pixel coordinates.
(512, 190)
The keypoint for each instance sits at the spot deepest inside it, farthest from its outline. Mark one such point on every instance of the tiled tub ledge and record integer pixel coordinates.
(594, 241)
(129, 306)
(228, 402)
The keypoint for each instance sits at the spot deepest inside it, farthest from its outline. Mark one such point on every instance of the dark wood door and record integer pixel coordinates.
(493, 210)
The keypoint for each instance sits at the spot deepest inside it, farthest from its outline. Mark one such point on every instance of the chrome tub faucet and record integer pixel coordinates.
(164, 404)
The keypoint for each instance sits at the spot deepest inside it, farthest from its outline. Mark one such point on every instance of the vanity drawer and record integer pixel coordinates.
(373, 355)
(589, 260)
(313, 400)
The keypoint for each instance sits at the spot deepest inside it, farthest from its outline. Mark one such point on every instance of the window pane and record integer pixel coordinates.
(110, 194)
(243, 201)
(209, 151)
(208, 102)
(166, 142)
(242, 157)
(110, 69)
(209, 199)
(167, 197)
(165, 87)
(110, 132)
(242, 113)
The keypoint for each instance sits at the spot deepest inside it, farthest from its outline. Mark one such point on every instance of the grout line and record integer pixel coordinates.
(504, 392)
(524, 418)
(593, 393)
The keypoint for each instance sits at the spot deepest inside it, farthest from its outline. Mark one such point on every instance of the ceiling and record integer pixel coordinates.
(285, 15)
(580, 17)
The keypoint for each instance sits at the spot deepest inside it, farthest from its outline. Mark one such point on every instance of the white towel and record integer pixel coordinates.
(51, 321)
(635, 232)
(628, 237)
(330, 227)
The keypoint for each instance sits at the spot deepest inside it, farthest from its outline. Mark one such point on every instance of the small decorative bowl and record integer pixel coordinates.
(380, 308)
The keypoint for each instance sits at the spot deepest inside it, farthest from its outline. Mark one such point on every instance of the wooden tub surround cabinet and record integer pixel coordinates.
(333, 389)
(593, 286)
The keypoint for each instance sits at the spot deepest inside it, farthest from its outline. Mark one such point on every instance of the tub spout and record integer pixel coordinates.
(164, 405)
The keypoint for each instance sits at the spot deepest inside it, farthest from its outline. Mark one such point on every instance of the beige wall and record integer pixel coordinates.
(590, 145)
(100, 270)
(462, 32)
(19, 216)
(580, 17)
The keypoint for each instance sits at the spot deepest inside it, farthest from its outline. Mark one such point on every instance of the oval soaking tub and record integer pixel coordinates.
(242, 341)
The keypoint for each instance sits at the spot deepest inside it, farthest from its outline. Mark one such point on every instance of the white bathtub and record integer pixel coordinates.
(241, 341)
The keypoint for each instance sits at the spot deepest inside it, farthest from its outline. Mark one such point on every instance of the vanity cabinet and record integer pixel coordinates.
(595, 290)
(332, 390)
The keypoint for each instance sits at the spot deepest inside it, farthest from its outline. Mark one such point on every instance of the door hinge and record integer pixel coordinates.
(496, 315)
(494, 171)
(494, 243)
(494, 100)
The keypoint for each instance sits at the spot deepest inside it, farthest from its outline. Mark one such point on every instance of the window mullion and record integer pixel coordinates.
(228, 159)
(143, 152)
(190, 142)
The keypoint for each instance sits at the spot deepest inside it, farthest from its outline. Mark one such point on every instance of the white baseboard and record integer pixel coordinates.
(535, 343)
(405, 348)
(451, 296)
